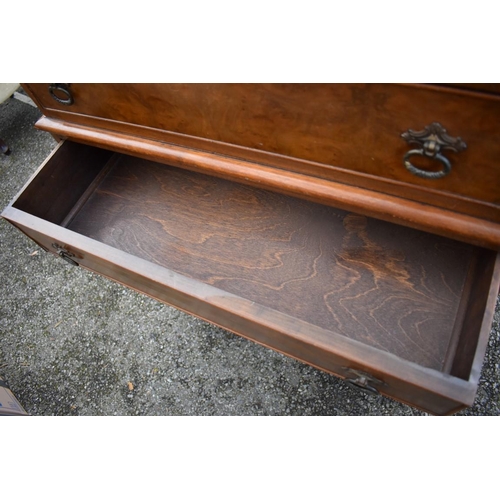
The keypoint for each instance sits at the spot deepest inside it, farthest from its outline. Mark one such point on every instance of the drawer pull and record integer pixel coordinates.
(433, 139)
(65, 255)
(61, 88)
(363, 381)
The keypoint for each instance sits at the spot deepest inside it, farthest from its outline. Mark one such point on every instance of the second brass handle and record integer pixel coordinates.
(432, 141)
(61, 88)
(425, 174)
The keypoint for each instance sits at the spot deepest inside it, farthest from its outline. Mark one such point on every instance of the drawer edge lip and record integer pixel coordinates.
(376, 204)
(354, 353)
(425, 194)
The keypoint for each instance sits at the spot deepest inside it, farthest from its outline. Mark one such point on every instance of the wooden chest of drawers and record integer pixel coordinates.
(285, 214)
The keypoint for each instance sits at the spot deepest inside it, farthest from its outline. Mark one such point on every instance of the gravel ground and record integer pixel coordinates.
(74, 343)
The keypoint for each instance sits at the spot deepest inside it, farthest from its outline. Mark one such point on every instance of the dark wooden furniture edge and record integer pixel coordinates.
(345, 196)
(419, 193)
(486, 90)
(439, 392)
(426, 388)
(486, 315)
(334, 173)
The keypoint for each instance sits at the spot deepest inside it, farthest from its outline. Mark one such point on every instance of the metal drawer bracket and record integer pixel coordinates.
(432, 140)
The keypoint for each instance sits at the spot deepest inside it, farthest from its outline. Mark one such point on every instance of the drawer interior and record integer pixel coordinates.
(416, 295)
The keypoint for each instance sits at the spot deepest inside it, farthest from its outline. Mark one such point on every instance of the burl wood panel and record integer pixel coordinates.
(351, 126)
(390, 287)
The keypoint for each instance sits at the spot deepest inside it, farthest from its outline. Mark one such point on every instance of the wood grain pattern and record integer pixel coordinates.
(66, 176)
(411, 383)
(387, 286)
(467, 347)
(371, 203)
(331, 287)
(491, 88)
(349, 126)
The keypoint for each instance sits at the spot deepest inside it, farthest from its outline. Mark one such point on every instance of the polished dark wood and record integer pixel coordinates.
(467, 347)
(50, 196)
(324, 349)
(382, 284)
(284, 213)
(333, 288)
(491, 88)
(342, 132)
(365, 201)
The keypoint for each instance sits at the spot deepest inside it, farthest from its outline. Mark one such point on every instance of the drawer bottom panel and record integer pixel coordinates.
(390, 287)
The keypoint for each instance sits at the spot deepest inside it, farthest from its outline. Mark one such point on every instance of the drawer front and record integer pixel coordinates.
(360, 366)
(347, 132)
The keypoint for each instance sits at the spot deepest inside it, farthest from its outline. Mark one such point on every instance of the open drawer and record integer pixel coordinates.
(392, 309)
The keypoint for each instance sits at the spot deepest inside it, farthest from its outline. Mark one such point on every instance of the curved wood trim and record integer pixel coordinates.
(370, 203)
(468, 90)
(447, 200)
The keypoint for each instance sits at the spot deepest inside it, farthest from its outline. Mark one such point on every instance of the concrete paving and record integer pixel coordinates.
(75, 343)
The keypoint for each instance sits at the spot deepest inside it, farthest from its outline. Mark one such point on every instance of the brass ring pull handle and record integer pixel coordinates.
(61, 88)
(424, 173)
(433, 139)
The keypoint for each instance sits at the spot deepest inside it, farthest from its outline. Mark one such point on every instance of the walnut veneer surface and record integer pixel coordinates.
(330, 126)
(285, 213)
(345, 136)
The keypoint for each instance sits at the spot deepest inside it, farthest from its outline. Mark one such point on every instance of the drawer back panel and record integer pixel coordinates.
(63, 180)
